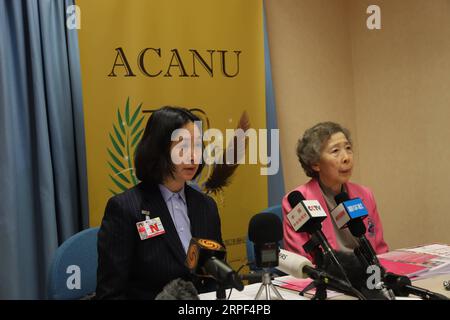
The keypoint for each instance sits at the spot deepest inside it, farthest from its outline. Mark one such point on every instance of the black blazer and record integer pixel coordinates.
(131, 268)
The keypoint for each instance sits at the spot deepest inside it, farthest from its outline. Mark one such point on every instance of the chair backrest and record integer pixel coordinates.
(250, 250)
(73, 273)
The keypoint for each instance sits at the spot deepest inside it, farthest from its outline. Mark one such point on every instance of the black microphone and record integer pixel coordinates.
(207, 258)
(300, 267)
(307, 216)
(350, 213)
(358, 276)
(401, 285)
(178, 289)
(265, 231)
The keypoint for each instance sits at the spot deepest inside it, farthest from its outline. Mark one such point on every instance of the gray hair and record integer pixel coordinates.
(311, 144)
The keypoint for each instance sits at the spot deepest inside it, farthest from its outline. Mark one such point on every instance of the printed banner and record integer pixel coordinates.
(208, 56)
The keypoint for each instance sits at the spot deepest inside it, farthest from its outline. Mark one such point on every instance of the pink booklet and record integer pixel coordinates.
(291, 283)
(408, 263)
(402, 268)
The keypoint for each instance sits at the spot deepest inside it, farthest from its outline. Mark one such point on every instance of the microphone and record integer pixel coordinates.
(178, 289)
(251, 277)
(206, 257)
(358, 276)
(293, 264)
(300, 267)
(307, 216)
(265, 231)
(401, 285)
(350, 214)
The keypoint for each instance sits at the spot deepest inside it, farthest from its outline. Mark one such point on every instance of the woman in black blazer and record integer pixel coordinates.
(134, 261)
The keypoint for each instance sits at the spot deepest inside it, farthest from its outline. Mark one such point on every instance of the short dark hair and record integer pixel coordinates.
(311, 144)
(153, 161)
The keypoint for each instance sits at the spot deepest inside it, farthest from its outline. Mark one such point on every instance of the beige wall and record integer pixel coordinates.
(402, 98)
(310, 50)
(391, 87)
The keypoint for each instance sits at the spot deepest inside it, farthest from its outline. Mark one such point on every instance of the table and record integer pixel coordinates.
(434, 284)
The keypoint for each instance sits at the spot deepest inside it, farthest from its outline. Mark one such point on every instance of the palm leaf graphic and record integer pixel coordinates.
(118, 173)
(118, 136)
(136, 138)
(124, 138)
(127, 112)
(115, 145)
(136, 113)
(115, 159)
(120, 122)
(137, 126)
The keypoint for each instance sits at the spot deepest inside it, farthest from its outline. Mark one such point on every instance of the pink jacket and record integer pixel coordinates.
(294, 241)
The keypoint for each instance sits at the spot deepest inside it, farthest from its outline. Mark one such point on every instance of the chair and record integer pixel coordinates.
(250, 250)
(73, 273)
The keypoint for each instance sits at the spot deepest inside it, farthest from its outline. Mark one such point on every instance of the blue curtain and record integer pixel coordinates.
(275, 183)
(43, 187)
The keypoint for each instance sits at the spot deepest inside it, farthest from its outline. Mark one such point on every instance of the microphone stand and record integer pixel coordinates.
(267, 285)
(367, 257)
(322, 280)
(425, 294)
(365, 252)
(220, 291)
(312, 248)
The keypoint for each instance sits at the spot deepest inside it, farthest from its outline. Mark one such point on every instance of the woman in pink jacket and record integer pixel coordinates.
(326, 155)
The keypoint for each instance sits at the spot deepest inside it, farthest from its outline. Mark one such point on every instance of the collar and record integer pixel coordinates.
(167, 194)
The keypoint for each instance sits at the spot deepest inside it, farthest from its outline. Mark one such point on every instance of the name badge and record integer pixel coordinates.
(150, 228)
(371, 228)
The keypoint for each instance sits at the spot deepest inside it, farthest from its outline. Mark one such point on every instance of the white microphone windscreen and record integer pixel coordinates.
(293, 264)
